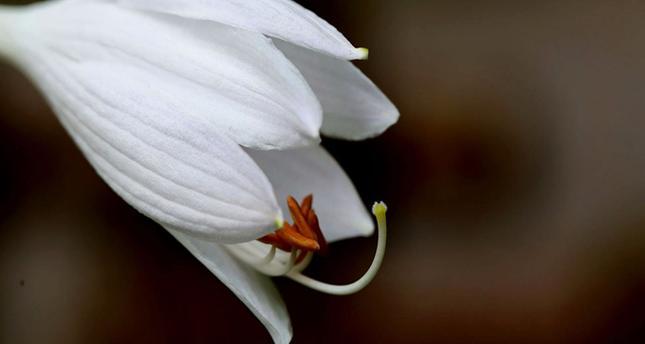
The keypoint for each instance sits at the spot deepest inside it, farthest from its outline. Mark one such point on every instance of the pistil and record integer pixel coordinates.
(292, 247)
(379, 210)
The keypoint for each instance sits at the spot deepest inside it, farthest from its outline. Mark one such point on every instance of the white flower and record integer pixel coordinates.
(161, 96)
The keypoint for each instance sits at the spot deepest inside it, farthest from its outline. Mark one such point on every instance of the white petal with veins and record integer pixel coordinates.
(282, 19)
(172, 166)
(254, 289)
(234, 78)
(354, 108)
(161, 98)
(300, 172)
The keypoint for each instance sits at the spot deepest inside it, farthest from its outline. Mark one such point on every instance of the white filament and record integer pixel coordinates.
(266, 258)
(270, 256)
(378, 210)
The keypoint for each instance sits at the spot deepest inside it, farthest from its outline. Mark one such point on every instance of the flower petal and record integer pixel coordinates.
(177, 168)
(255, 290)
(312, 170)
(283, 19)
(354, 108)
(235, 78)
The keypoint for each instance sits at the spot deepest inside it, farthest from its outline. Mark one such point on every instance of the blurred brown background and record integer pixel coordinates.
(514, 180)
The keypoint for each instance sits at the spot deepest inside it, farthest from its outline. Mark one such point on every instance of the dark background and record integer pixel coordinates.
(514, 181)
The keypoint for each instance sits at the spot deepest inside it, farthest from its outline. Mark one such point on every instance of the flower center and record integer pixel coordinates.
(304, 235)
(288, 250)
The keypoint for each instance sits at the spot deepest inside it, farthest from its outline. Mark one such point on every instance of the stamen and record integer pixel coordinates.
(268, 263)
(274, 240)
(306, 204)
(299, 218)
(378, 210)
(291, 263)
(302, 256)
(269, 257)
(312, 219)
(289, 234)
(301, 240)
(302, 265)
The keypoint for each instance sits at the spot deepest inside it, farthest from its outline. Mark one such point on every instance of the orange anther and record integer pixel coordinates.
(275, 240)
(299, 219)
(312, 220)
(289, 234)
(304, 235)
(306, 204)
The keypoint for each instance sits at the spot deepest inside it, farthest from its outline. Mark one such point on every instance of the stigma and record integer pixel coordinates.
(289, 250)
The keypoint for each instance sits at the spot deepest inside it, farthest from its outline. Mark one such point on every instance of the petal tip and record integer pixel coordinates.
(365, 226)
(385, 122)
(389, 118)
(362, 53)
(367, 229)
(312, 138)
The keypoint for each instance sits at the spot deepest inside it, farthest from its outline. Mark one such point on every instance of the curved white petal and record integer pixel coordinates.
(173, 166)
(234, 78)
(312, 170)
(354, 108)
(282, 19)
(255, 290)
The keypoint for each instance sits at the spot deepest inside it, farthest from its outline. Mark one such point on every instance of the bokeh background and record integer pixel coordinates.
(514, 180)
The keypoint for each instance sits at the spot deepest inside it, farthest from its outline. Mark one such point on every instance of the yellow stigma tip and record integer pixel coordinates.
(379, 209)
